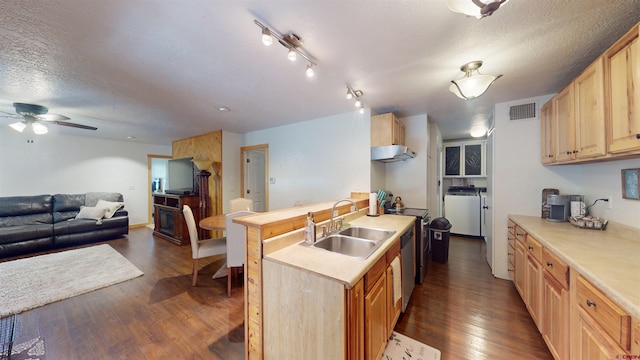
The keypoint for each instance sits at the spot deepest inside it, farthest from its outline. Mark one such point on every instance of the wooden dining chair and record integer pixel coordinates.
(236, 245)
(240, 204)
(201, 248)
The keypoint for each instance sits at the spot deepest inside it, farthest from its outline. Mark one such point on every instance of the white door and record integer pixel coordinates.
(255, 178)
(488, 211)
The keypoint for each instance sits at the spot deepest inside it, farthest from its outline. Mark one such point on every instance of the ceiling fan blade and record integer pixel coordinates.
(78, 126)
(52, 117)
(10, 115)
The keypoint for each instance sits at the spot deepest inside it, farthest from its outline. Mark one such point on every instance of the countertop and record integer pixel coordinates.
(610, 259)
(342, 268)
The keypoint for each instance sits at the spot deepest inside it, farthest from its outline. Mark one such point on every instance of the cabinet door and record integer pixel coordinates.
(393, 309)
(518, 278)
(564, 116)
(474, 160)
(622, 79)
(355, 322)
(592, 343)
(376, 320)
(548, 150)
(533, 289)
(589, 107)
(398, 132)
(555, 324)
(452, 156)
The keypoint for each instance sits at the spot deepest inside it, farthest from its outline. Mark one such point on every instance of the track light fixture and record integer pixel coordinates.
(290, 41)
(355, 94)
(472, 85)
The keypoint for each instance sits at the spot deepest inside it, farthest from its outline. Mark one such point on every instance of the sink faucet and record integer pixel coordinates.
(332, 224)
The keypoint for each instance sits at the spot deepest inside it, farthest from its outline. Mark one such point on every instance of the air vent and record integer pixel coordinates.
(523, 112)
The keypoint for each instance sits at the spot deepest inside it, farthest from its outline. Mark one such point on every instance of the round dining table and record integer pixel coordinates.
(215, 222)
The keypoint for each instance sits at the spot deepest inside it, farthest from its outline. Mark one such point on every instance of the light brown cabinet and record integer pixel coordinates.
(589, 112)
(355, 321)
(386, 129)
(533, 280)
(622, 81)
(548, 141)
(597, 116)
(555, 305)
(372, 313)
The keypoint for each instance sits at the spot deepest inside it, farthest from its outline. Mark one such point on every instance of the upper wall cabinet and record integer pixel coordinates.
(622, 79)
(597, 116)
(548, 154)
(465, 159)
(386, 129)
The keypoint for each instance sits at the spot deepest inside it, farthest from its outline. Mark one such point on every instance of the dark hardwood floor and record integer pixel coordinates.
(466, 313)
(461, 310)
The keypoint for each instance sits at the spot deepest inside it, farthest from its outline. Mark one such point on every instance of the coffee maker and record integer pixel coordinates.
(559, 207)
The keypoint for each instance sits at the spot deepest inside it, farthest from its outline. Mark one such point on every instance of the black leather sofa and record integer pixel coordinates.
(41, 222)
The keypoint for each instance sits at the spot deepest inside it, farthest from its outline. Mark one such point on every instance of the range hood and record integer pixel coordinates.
(391, 153)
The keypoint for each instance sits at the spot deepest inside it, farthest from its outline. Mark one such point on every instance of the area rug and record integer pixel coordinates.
(36, 281)
(402, 347)
(29, 350)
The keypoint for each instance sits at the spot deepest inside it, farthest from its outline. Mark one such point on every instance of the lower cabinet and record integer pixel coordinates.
(576, 319)
(592, 341)
(375, 309)
(372, 313)
(555, 321)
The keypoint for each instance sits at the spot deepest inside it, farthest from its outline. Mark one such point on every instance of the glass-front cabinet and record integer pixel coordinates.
(465, 159)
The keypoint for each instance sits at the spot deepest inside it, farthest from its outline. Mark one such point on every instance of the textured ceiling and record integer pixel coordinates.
(157, 70)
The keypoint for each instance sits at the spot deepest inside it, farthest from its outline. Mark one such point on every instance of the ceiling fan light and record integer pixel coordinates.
(291, 55)
(39, 129)
(310, 71)
(468, 7)
(18, 126)
(266, 37)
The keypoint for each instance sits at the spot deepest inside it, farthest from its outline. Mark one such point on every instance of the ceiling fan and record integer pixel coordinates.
(35, 116)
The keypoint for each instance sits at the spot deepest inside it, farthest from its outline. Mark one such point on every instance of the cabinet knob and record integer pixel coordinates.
(509, 253)
(637, 136)
(575, 151)
(549, 156)
(530, 247)
(549, 264)
(590, 303)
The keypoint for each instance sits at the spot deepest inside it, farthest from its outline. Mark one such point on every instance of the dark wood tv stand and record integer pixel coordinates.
(168, 219)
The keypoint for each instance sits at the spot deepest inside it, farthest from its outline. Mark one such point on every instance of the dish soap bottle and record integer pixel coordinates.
(310, 231)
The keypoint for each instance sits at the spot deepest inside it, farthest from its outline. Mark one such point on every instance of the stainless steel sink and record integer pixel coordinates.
(347, 245)
(377, 235)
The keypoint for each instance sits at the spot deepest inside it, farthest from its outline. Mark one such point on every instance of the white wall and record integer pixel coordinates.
(56, 163)
(520, 178)
(317, 160)
(408, 179)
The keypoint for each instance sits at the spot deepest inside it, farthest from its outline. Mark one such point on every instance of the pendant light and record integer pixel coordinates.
(472, 84)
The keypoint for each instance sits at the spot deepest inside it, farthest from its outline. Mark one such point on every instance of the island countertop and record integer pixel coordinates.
(345, 269)
(609, 259)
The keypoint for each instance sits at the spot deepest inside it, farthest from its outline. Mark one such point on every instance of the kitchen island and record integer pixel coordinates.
(304, 301)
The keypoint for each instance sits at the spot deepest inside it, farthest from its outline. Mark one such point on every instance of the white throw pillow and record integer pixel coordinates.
(93, 213)
(110, 207)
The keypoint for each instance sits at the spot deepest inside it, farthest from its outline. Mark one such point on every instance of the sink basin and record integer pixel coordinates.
(372, 234)
(347, 245)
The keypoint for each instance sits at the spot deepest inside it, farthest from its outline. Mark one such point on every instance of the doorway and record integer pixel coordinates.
(254, 175)
(156, 179)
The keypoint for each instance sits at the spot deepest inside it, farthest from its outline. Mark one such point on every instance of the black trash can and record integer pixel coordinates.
(439, 232)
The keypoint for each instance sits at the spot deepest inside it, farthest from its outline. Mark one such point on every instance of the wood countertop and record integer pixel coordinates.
(344, 269)
(610, 259)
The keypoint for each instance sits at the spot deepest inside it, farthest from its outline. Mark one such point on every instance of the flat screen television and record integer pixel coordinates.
(181, 177)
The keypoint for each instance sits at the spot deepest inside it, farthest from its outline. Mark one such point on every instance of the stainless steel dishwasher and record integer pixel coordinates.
(408, 259)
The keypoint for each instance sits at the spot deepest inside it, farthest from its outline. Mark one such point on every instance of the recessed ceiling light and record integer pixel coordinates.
(131, 137)
(224, 108)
